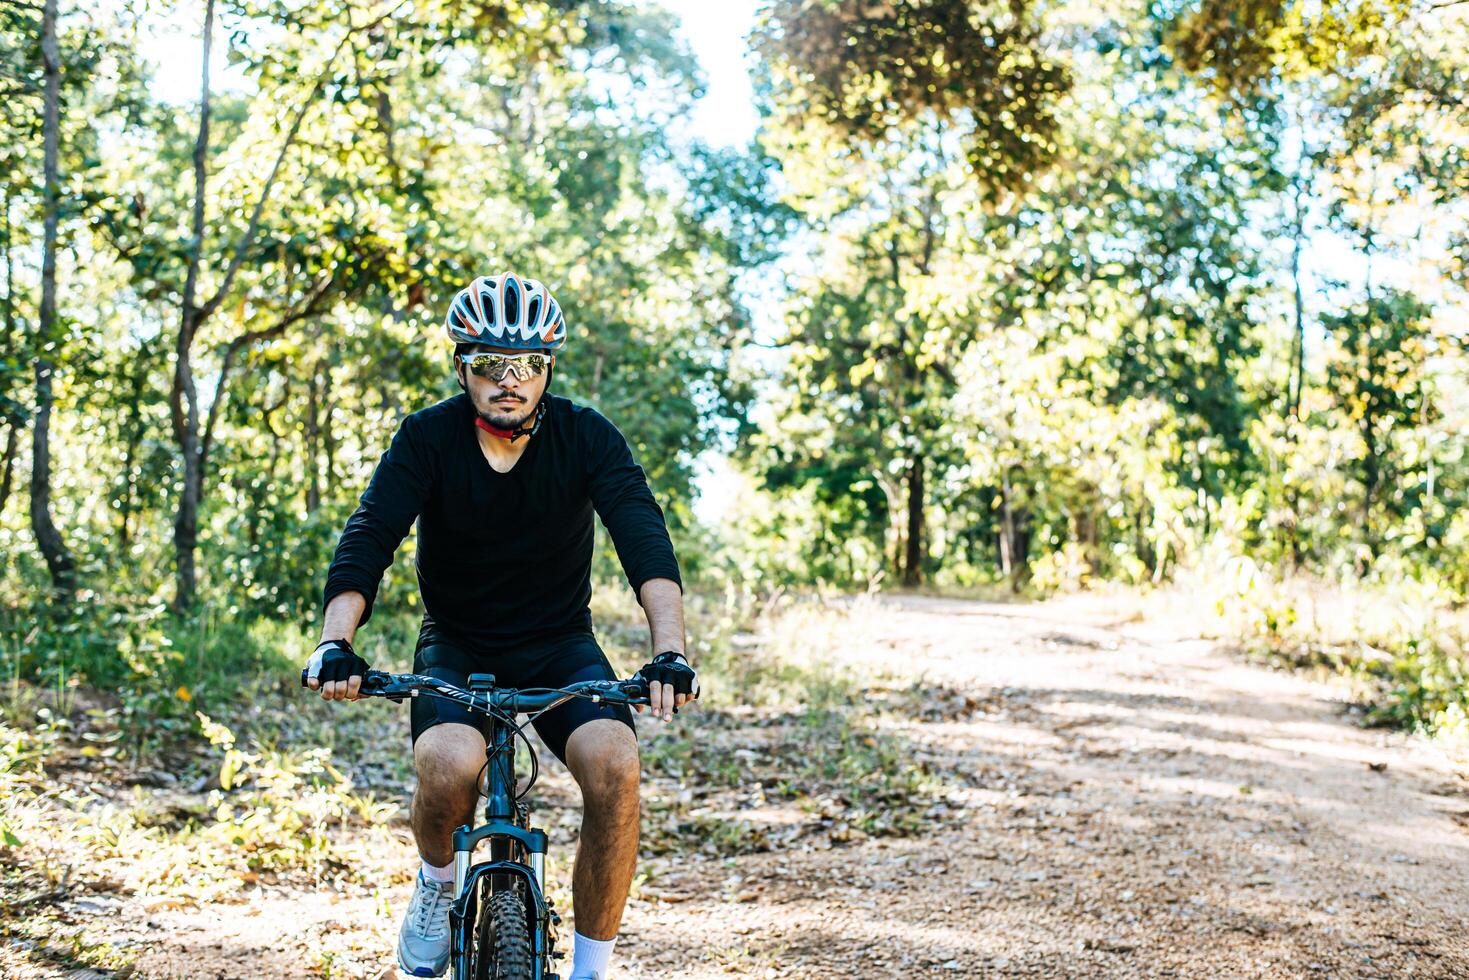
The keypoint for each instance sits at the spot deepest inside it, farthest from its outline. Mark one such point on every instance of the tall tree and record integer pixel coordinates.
(867, 69)
(194, 426)
(48, 537)
(874, 106)
(11, 412)
(1378, 375)
(376, 207)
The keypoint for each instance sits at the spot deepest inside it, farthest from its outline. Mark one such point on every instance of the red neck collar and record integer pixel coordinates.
(506, 434)
(531, 427)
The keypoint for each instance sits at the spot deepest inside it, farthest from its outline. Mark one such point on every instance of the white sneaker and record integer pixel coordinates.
(423, 941)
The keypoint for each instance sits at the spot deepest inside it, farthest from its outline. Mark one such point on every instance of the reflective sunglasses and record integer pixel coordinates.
(494, 366)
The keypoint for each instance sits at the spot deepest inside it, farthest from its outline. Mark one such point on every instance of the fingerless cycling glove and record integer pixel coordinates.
(335, 660)
(672, 668)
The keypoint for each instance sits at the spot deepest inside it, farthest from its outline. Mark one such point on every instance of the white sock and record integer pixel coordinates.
(589, 957)
(432, 873)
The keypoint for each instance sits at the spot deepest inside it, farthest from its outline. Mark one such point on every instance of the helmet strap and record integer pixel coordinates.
(510, 435)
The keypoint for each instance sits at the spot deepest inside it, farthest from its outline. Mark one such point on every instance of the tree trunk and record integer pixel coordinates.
(1370, 474)
(133, 443)
(328, 433)
(1086, 535)
(12, 419)
(1371, 478)
(313, 441)
(12, 441)
(914, 553)
(252, 529)
(1297, 383)
(1013, 546)
(48, 538)
(185, 398)
(1140, 544)
(186, 521)
(1007, 526)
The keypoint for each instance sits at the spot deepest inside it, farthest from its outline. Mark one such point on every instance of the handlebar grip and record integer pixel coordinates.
(375, 677)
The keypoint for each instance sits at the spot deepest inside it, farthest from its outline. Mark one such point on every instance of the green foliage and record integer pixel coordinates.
(324, 279)
(157, 664)
(1070, 375)
(824, 744)
(868, 69)
(279, 810)
(1378, 375)
(1423, 688)
(1243, 45)
(1033, 285)
(1120, 364)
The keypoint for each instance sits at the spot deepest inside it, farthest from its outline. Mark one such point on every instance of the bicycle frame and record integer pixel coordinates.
(504, 836)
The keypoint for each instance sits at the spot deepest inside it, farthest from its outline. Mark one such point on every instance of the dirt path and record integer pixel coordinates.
(1120, 799)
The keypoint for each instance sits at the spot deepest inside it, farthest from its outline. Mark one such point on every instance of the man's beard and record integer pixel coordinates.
(510, 418)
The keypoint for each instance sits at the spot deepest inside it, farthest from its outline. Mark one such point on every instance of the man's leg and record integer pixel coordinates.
(448, 758)
(603, 758)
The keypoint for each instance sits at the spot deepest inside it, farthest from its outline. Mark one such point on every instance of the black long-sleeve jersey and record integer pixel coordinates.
(503, 557)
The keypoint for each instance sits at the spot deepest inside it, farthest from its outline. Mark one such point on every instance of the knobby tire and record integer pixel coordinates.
(504, 951)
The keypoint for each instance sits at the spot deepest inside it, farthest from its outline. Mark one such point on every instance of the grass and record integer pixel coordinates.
(112, 777)
(786, 720)
(267, 814)
(1402, 650)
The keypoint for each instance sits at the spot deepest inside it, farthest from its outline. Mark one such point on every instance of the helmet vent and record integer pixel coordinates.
(533, 311)
(512, 301)
(487, 300)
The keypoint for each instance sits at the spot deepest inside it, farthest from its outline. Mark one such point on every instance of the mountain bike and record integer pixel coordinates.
(501, 925)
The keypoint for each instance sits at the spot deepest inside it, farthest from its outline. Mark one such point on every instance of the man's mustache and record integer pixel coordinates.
(505, 395)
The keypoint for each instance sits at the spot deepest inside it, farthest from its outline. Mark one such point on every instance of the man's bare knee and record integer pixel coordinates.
(603, 758)
(448, 759)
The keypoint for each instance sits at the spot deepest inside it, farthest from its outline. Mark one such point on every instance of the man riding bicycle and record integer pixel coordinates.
(503, 480)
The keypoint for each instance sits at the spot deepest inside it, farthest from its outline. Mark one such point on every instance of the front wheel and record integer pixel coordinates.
(503, 939)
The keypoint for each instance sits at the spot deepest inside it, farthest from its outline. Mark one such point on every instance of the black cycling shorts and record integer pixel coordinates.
(553, 662)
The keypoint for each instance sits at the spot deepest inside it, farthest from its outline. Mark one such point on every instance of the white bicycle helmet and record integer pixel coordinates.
(506, 311)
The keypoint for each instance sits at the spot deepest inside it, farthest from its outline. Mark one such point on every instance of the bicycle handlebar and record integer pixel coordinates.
(396, 687)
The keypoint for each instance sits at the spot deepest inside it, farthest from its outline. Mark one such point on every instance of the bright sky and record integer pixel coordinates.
(716, 31)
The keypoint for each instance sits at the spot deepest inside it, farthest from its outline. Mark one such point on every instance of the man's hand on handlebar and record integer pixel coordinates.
(336, 671)
(499, 702)
(672, 683)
